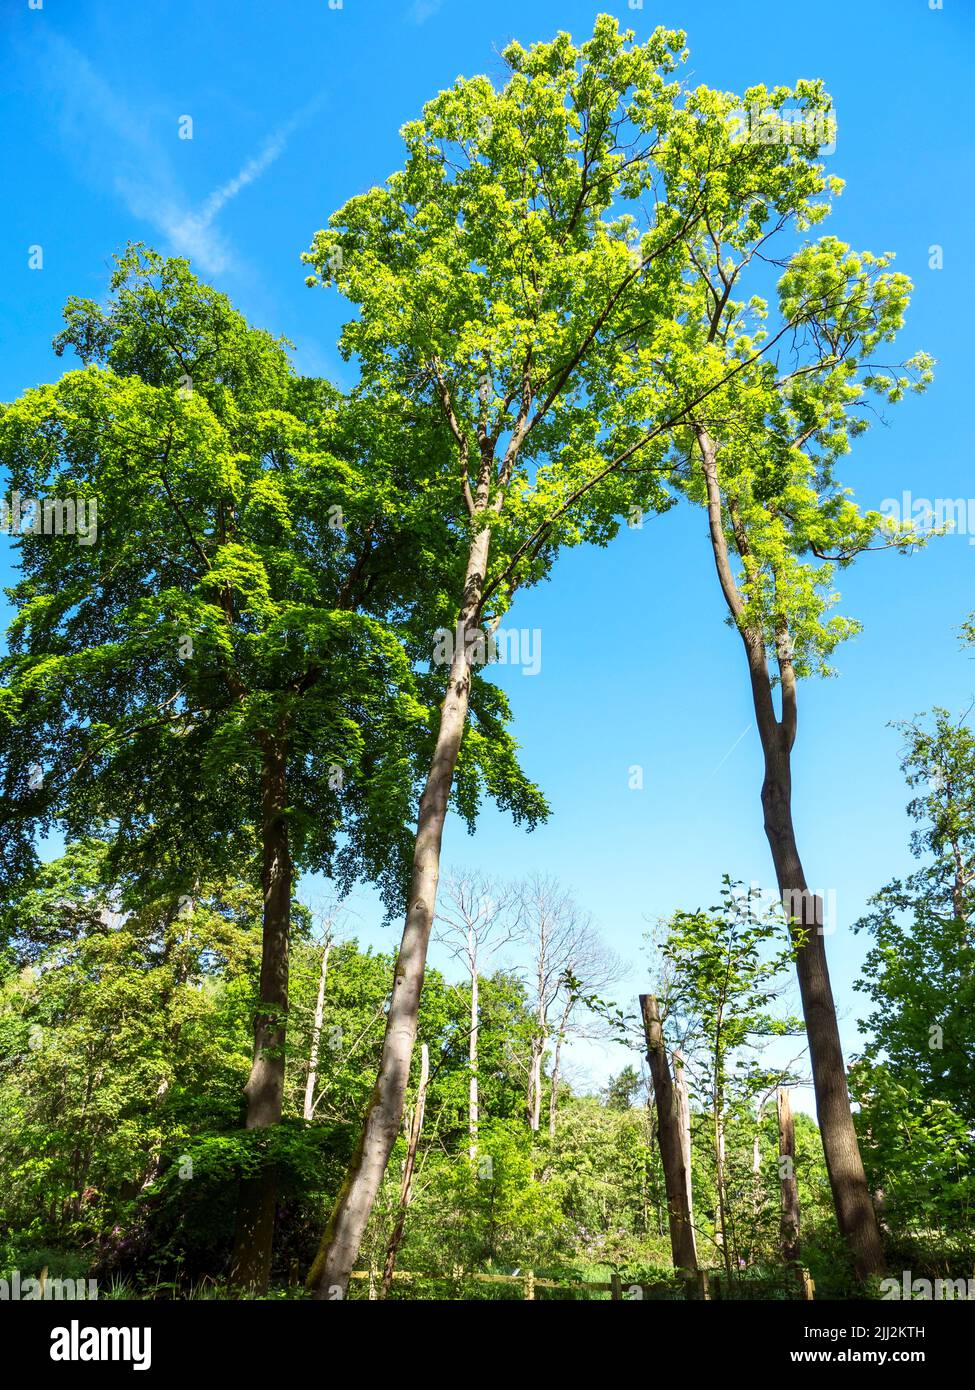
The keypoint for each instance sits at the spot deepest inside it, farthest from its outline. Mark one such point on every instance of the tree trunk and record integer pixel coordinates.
(684, 1120)
(669, 1137)
(851, 1196)
(264, 1092)
(329, 1275)
(406, 1186)
(789, 1219)
(719, 1183)
(535, 1084)
(473, 1116)
(538, 1044)
(557, 1064)
(553, 1099)
(757, 1170)
(308, 1109)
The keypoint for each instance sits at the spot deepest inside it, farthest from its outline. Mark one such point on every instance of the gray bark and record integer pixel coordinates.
(343, 1236)
(851, 1195)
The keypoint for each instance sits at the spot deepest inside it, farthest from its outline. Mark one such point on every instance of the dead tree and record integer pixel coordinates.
(789, 1219)
(669, 1137)
(475, 920)
(308, 1109)
(569, 962)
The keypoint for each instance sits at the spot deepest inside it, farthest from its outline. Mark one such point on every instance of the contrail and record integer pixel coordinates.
(731, 749)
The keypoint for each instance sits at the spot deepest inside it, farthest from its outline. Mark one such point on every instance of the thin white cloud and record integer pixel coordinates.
(422, 10)
(97, 123)
(252, 170)
(731, 749)
(194, 233)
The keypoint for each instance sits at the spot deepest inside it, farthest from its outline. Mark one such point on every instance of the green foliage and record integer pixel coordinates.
(914, 1081)
(496, 276)
(551, 313)
(262, 578)
(723, 972)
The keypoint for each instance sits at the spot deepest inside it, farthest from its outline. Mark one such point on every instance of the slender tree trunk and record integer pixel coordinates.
(264, 1092)
(554, 1096)
(757, 1172)
(669, 1137)
(851, 1196)
(308, 1110)
(720, 1188)
(340, 1245)
(473, 1116)
(406, 1185)
(538, 1041)
(684, 1120)
(789, 1219)
(557, 1064)
(535, 1084)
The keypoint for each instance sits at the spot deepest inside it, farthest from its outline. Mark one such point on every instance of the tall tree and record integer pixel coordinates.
(494, 275)
(568, 965)
(761, 456)
(227, 676)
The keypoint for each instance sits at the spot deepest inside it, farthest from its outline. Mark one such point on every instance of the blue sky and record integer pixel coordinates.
(296, 106)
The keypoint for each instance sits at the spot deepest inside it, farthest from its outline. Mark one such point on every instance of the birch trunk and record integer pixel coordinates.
(473, 1116)
(757, 1171)
(554, 1096)
(684, 1120)
(557, 1064)
(719, 1183)
(535, 1084)
(308, 1110)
